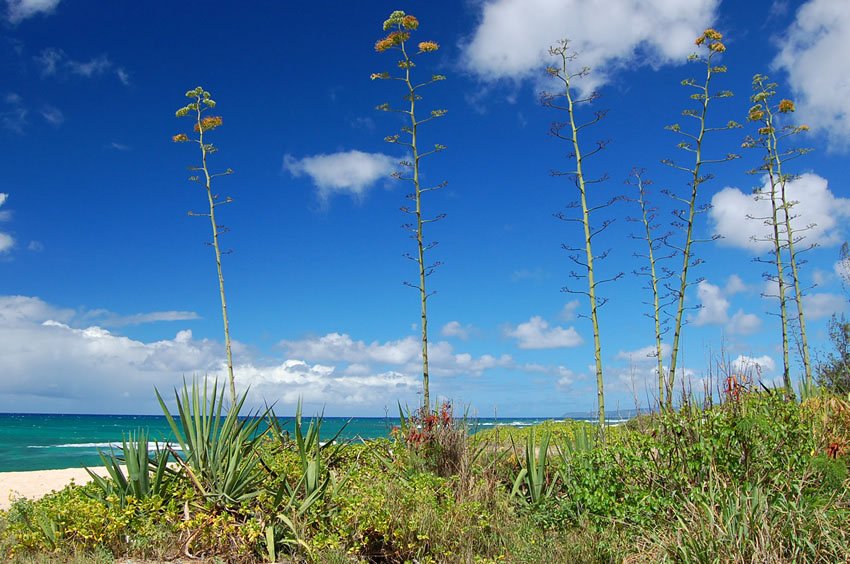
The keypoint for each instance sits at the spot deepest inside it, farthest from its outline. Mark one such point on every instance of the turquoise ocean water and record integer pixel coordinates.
(44, 442)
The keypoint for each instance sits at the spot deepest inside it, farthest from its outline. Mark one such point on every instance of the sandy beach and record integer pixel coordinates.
(37, 483)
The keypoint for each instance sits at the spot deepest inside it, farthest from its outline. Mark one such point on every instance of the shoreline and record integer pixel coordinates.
(33, 484)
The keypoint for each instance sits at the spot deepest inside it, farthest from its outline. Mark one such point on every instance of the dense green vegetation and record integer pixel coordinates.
(756, 478)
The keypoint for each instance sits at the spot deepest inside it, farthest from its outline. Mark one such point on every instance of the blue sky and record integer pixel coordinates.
(107, 288)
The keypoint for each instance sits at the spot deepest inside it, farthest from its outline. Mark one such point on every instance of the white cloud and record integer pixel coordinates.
(53, 116)
(404, 353)
(19, 10)
(94, 67)
(351, 172)
(35, 246)
(110, 319)
(49, 60)
(734, 285)
(513, 36)
(748, 364)
(527, 274)
(123, 76)
(568, 313)
(816, 206)
(6, 240)
(821, 277)
(644, 355)
(566, 378)
(295, 379)
(48, 365)
(14, 116)
(536, 334)
(743, 323)
(336, 347)
(815, 55)
(715, 306)
(6, 243)
(455, 329)
(819, 306)
(55, 62)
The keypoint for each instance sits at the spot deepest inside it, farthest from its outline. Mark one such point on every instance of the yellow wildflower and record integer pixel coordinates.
(410, 22)
(180, 138)
(786, 106)
(208, 123)
(756, 114)
(428, 46)
(393, 39)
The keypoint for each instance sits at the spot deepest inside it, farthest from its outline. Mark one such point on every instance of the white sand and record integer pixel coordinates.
(37, 483)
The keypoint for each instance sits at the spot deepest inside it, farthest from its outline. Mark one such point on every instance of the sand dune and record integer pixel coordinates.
(37, 483)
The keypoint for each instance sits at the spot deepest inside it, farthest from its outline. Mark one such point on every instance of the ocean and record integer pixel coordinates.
(45, 442)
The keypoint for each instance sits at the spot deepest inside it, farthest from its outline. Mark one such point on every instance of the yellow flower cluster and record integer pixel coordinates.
(393, 39)
(409, 22)
(786, 106)
(180, 138)
(208, 123)
(428, 46)
(712, 37)
(756, 113)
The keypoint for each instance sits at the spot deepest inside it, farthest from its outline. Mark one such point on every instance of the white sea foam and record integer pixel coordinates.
(114, 445)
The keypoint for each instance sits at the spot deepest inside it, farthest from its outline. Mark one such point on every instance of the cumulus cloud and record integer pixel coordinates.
(734, 285)
(402, 353)
(513, 36)
(819, 306)
(644, 355)
(714, 305)
(743, 323)
(816, 206)
(111, 319)
(748, 364)
(350, 172)
(456, 329)
(336, 347)
(814, 54)
(19, 10)
(568, 313)
(50, 365)
(6, 240)
(536, 334)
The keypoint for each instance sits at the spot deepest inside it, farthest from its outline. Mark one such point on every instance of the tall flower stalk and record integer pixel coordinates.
(566, 100)
(710, 42)
(782, 237)
(400, 26)
(653, 271)
(200, 104)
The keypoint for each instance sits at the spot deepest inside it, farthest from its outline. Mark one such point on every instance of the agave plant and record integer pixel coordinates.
(533, 476)
(313, 483)
(146, 474)
(219, 450)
